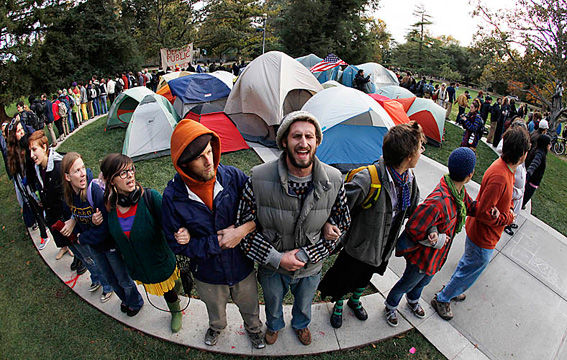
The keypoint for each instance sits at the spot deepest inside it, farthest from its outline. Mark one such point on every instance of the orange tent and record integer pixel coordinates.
(393, 108)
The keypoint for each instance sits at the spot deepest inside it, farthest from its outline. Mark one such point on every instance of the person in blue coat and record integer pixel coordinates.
(84, 197)
(199, 212)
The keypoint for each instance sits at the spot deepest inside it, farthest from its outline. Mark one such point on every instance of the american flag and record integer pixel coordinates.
(329, 62)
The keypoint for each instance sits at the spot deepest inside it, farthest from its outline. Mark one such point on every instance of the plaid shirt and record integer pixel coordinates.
(438, 213)
(256, 247)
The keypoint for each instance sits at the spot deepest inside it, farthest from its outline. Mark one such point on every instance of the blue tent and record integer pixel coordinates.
(196, 88)
(348, 75)
(331, 74)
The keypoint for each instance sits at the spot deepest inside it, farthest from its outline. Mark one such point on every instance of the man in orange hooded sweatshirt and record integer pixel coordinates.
(199, 212)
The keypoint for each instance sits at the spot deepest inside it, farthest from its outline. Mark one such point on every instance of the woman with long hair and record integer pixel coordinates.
(20, 167)
(84, 197)
(134, 221)
(535, 163)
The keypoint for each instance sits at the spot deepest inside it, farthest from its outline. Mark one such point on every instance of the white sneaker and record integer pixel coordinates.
(105, 297)
(43, 243)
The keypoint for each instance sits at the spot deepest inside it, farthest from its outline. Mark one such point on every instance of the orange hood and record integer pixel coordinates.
(185, 132)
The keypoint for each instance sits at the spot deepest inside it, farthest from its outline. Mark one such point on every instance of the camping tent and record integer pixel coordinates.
(271, 86)
(124, 105)
(149, 132)
(309, 60)
(393, 108)
(430, 116)
(379, 75)
(331, 74)
(216, 120)
(331, 83)
(165, 79)
(348, 74)
(395, 92)
(198, 88)
(353, 126)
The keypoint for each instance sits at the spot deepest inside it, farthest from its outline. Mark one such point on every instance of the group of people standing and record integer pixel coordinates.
(288, 216)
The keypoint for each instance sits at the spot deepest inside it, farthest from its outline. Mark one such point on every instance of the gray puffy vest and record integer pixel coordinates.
(284, 224)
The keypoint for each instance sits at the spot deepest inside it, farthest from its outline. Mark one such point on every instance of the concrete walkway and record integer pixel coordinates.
(517, 309)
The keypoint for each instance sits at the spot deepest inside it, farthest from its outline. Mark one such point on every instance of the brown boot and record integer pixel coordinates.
(304, 335)
(271, 337)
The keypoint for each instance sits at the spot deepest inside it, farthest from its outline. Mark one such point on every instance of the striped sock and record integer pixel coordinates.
(355, 298)
(338, 310)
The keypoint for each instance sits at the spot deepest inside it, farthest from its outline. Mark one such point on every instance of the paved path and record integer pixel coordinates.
(517, 309)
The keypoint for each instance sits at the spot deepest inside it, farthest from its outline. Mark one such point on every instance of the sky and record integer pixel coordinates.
(450, 17)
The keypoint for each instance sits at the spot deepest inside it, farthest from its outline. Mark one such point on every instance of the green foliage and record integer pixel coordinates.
(325, 26)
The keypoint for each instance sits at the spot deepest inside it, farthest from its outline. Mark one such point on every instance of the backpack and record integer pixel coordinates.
(71, 101)
(375, 185)
(62, 109)
(93, 92)
(119, 86)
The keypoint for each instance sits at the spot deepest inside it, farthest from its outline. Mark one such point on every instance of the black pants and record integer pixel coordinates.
(528, 193)
(59, 126)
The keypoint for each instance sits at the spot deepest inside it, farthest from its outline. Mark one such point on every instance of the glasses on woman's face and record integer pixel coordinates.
(124, 173)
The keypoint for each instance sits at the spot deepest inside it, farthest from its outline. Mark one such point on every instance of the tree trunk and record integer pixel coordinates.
(555, 113)
(3, 115)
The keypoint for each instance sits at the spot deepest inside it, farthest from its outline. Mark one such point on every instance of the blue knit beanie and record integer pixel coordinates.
(461, 163)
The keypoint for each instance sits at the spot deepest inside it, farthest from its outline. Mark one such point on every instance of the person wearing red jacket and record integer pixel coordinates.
(57, 117)
(483, 230)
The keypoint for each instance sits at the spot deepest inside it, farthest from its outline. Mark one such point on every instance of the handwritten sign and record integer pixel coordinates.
(181, 57)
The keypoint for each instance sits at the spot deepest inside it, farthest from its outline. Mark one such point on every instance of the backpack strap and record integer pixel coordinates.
(149, 201)
(90, 194)
(375, 188)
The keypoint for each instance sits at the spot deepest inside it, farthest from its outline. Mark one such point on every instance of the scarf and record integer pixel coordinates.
(402, 182)
(460, 200)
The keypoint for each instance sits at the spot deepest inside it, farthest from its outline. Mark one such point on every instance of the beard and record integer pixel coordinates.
(301, 164)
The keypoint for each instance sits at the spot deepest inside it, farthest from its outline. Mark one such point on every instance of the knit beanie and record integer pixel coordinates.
(461, 163)
(194, 149)
(297, 116)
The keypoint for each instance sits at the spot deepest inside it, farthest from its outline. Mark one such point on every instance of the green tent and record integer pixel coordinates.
(151, 125)
(124, 105)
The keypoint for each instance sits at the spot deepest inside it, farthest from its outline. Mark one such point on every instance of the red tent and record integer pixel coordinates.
(393, 108)
(220, 123)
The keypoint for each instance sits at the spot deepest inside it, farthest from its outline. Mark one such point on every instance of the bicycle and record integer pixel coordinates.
(558, 145)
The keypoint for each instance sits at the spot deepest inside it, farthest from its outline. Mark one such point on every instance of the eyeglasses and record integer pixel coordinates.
(124, 173)
(422, 149)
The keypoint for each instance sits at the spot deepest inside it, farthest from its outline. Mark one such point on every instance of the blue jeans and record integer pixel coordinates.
(472, 264)
(70, 119)
(83, 252)
(103, 106)
(411, 283)
(96, 107)
(114, 271)
(275, 286)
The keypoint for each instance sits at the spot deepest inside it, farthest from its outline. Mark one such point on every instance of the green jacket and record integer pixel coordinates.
(146, 253)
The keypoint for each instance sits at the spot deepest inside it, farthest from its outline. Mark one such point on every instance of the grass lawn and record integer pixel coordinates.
(42, 318)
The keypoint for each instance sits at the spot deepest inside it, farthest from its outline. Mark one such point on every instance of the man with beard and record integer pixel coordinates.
(300, 209)
(199, 213)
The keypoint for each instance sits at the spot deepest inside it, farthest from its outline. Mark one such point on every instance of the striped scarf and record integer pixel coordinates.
(403, 184)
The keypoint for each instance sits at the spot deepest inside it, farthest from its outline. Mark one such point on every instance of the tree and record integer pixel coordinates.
(419, 32)
(533, 37)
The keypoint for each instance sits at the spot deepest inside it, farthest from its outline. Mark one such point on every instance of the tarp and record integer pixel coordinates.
(149, 132)
(395, 92)
(220, 123)
(353, 126)
(198, 88)
(379, 75)
(393, 108)
(124, 105)
(309, 60)
(271, 86)
(430, 116)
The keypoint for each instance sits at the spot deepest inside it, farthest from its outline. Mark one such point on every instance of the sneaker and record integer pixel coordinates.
(417, 310)
(82, 269)
(132, 312)
(359, 311)
(124, 308)
(514, 226)
(76, 263)
(94, 287)
(34, 227)
(442, 308)
(105, 296)
(43, 243)
(459, 298)
(271, 337)
(212, 337)
(304, 336)
(508, 230)
(391, 317)
(257, 340)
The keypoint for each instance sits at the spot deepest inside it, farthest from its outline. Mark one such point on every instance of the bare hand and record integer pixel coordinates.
(433, 238)
(515, 217)
(229, 237)
(331, 232)
(97, 218)
(68, 228)
(182, 236)
(289, 262)
(494, 212)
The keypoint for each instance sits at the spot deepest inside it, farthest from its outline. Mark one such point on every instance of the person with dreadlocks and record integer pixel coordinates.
(372, 237)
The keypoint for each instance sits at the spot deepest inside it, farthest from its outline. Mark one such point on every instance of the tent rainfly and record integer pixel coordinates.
(379, 75)
(124, 105)
(271, 86)
(149, 132)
